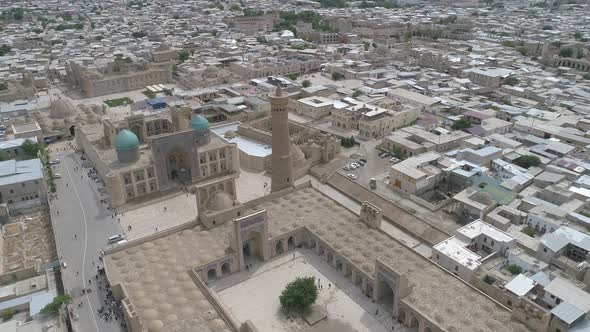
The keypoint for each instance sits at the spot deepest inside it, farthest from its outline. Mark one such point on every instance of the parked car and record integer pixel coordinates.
(115, 238)
(394, 160)
(363, 160)
(54, 162)
(352, 176)
(57, 176)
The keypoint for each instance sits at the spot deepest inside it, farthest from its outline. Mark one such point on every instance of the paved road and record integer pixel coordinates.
(82, 228)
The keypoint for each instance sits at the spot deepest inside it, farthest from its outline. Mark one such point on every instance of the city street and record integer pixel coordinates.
(82, 225)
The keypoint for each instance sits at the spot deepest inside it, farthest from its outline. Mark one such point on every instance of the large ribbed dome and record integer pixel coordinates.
(199, 123)
(126, 140)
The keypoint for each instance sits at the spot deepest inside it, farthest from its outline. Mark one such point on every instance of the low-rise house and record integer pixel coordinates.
(414, 140)
(21, 184)
(473, 243)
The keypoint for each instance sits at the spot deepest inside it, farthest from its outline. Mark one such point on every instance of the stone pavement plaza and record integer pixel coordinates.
(347, 308)
(182, 208)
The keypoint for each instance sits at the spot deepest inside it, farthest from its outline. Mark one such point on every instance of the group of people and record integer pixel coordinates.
(110, 310)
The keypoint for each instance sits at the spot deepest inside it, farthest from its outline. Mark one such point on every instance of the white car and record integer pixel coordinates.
(57, 176)
(352, 176)
(54, 162)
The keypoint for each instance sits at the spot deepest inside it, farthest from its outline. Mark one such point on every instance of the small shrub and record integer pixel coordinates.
(514, 269)
(528, 231)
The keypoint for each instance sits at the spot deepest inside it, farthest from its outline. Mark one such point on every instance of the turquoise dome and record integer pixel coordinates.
(126, 140)
(199, 123)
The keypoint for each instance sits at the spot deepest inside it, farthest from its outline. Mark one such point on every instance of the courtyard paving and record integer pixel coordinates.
(347, 308)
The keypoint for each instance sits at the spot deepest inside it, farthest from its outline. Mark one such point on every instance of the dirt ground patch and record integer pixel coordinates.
(28, 239)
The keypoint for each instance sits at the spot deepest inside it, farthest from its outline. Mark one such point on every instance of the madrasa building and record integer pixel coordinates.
(165, 281)
(143, 155)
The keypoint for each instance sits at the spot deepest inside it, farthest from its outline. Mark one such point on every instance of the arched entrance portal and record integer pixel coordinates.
(211, 274)
(252, 249)
(385, 296)
(178, 165)
(279, 248)
(225, 269)
(401, 316)
(413, 325)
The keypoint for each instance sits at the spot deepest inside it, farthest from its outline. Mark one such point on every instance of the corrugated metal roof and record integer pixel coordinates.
(567, 312)
(563, 236)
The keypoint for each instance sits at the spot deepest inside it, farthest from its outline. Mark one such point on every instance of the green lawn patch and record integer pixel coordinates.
(118, 102)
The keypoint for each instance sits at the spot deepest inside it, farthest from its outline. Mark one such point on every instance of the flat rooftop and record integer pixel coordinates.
(479, 227)
(248, 146)
(455, 249)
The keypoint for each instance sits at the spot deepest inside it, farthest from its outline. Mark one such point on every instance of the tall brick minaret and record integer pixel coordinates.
(282, 169)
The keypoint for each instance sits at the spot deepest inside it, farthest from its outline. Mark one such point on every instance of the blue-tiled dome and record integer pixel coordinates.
(126, 140)
(199, 123)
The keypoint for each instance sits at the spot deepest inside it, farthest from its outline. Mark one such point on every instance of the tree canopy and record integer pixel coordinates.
(53, 307)
(4, 49)
(299, 294)
(566, 53)
(30, 148)
(337, 76)
(306, 84)
(347, 142)
(183, 56)
(511, 80)
(461, 124)
(527, 161)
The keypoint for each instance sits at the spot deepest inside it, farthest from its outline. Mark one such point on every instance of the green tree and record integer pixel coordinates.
(299, 294)
(511, 80)
(253, 12)
(4, 155)
(30, 148)
(586, 76)
(235, 8)
(18, 14)
(514, 269)
(7, 314)
(306, 84)
(527, 161)
(4, 49)
(53, 307)
(357, 93)
(347, 142)
(578, 35)
(138, 34)
(183, 56)
(547, 27)
(528, 231)
(461, 124)
(522, 50)
(292, 77)
(366, 45)
(337, 76)
(566, 53)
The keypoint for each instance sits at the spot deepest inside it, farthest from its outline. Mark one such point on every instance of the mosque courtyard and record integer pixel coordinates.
(347, 309)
